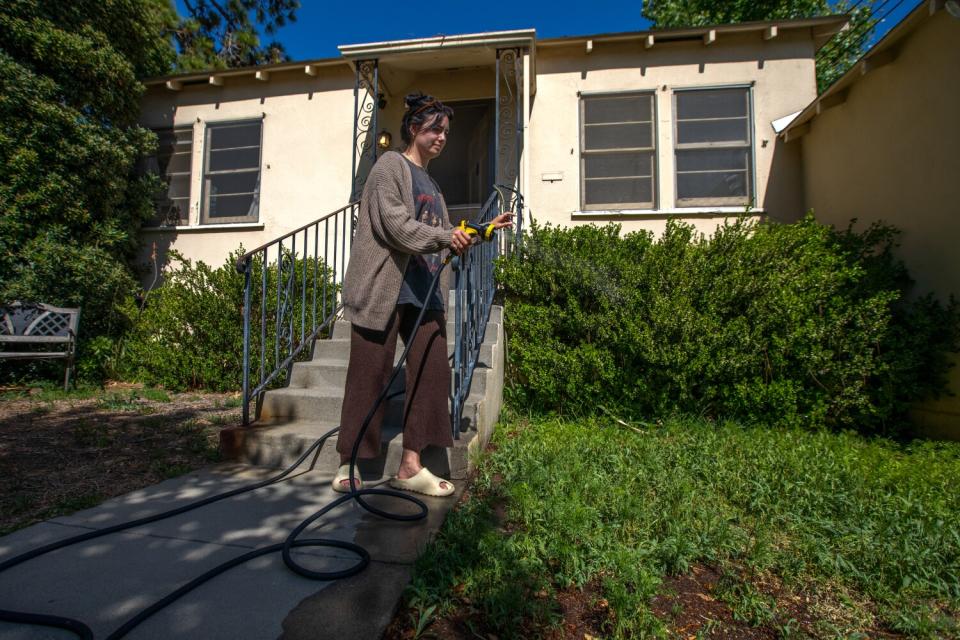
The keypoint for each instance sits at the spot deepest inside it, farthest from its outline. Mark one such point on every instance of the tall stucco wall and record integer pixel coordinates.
(891, 152)
(305, 154)
(781, 69)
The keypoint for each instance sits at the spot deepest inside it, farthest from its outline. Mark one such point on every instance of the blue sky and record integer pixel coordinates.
(322, 24)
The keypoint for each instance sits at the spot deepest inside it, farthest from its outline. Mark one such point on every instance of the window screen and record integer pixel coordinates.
(231, 173)
(172, 163)
(618, 142)
(714, 147)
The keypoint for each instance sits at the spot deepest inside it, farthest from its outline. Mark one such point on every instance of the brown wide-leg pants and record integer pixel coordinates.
(426, 414)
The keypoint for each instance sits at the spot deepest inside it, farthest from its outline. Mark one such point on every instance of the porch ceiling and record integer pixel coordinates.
(401, 60)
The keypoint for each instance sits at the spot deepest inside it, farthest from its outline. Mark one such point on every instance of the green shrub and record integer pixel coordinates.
(779, 323)
(189, 334)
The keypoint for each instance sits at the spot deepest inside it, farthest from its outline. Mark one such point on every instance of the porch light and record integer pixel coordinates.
(384, 139)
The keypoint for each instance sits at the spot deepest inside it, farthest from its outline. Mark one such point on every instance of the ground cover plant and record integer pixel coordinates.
(690, 528)
(64, 451)
(781, 324)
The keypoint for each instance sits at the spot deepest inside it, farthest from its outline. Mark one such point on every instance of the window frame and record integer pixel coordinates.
(160, 220)
(204, 218)
(745, 201)
(651, 93)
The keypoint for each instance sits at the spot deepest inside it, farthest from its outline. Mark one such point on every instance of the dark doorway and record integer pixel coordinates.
(465, 169)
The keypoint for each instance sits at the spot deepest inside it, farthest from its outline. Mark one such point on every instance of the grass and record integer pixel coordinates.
(48, 392)
(868, 531)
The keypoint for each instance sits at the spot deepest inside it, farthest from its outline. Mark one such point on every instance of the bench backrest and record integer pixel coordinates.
(36, 322)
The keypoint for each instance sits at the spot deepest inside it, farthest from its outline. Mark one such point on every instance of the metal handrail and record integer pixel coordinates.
(475, 288)
(321, 269)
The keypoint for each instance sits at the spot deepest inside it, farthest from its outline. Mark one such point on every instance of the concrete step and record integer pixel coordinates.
(333, 372)
(339, 349)
(342, 328)
(292, 418)
(280, 444)
(323, 404)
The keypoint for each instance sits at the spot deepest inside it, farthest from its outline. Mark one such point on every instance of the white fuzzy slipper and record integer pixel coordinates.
(424, 482)
(342, 474)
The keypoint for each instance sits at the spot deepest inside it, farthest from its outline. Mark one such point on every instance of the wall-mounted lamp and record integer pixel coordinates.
(384, 139)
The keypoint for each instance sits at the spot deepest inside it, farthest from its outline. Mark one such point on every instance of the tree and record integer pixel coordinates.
(71, 198)
(833, 60)
(217, 34)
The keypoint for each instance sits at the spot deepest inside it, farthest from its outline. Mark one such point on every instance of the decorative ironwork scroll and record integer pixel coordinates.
(366, 100)
(509, 124)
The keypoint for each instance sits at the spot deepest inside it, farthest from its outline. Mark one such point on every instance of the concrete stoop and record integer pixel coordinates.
(294, 417)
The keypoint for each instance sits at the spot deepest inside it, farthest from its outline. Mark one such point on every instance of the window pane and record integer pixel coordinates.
(177, 163)
(225, 136)
(232, 206)
(179, 187)
(712, 159)
(711, 103)
(610, 165)
(171, 212)
(719, 184)
(617, 136)
(231, 183)
(620, 109)
(231, 159)
(712, 131)
(618, 191)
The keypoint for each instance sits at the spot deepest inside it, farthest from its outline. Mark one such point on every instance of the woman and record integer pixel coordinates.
(402, 227)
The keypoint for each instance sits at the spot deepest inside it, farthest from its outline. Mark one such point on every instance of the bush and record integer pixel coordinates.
(189, 333)
(71, 197)
(775, 323)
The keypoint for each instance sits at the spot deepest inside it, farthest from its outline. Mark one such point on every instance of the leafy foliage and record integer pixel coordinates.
(189, 334)
(217, 34)
(833, 60)
(773, 323)
(70, 196)
(867, 530)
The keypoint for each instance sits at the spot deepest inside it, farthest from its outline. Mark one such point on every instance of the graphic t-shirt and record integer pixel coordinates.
(421, 268)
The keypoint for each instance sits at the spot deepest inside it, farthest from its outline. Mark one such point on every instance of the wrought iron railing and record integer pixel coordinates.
(474, 292)
(300, 278)
(298, 298)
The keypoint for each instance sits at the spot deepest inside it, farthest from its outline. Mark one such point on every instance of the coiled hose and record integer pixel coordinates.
(291, 542)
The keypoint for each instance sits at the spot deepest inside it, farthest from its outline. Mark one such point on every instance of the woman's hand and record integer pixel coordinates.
(459, 241)
(503, 220)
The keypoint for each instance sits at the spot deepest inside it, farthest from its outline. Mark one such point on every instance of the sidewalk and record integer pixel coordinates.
(105, 581)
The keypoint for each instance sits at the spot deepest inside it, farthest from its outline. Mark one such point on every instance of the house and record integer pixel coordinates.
(625, 127)
(883, 144)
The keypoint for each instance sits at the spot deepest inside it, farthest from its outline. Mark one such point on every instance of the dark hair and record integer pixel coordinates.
(420, 109)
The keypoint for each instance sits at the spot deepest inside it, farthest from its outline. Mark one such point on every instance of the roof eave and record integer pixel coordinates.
(882, 52)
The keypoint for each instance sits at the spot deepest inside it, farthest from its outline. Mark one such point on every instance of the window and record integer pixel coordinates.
(617, 151)
(714, 146)
(231, 173)
(172, 163)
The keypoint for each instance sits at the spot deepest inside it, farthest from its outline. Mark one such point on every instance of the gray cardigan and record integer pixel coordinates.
(387, 235)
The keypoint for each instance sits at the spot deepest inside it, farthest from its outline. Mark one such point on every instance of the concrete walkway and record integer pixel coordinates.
(105, 581)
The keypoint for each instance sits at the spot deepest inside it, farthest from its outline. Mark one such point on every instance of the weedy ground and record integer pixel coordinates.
(65, 451)
(693, 529)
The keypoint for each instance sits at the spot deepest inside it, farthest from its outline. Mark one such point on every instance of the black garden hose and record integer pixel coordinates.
(85, 633)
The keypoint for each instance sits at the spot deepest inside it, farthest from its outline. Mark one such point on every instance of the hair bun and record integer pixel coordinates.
(414, 100)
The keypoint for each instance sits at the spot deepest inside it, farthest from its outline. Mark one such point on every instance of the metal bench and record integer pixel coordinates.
(32, 324)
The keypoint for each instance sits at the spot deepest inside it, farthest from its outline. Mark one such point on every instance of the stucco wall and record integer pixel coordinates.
(307, 129)
(890, 152)
(781, 69)
(306, 152)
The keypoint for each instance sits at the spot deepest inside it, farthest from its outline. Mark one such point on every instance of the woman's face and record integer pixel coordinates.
(431, 138)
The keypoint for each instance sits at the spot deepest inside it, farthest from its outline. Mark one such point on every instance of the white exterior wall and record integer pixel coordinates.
(308, 130)
(305, 154)
(781, 69)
